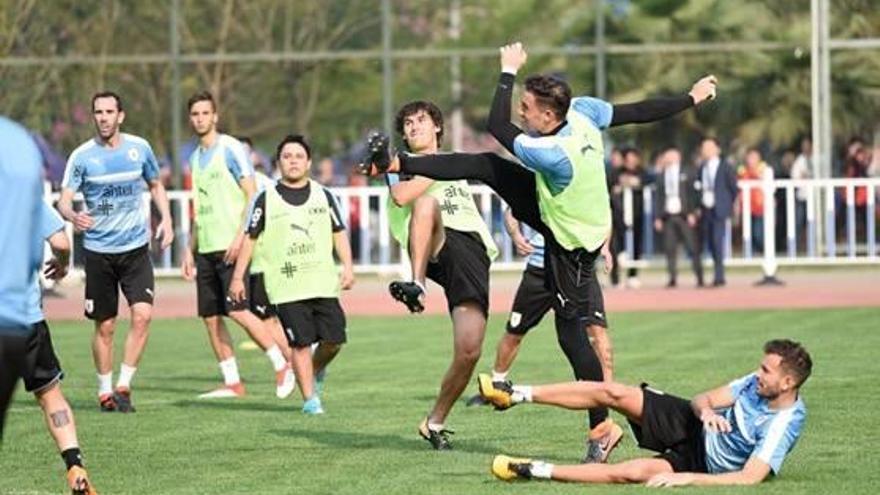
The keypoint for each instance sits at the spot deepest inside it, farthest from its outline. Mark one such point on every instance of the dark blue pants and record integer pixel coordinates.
(713, 237)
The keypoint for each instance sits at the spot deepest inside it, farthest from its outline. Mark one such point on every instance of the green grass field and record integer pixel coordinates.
(382, 385)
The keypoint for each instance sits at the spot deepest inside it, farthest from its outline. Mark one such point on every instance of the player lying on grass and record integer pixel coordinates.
(737, 434)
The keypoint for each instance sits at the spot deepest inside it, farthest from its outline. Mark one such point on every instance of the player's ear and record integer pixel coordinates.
(121, 116)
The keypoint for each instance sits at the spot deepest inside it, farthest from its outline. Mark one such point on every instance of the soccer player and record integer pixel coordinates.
(448, 242)
(560, 190)
(110, 170)
(299, 223)
(42, 375)
(736, 434)
(224, 185)
(21, 249)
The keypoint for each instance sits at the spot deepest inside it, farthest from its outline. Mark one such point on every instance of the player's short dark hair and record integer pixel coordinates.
(107, 94)
(551, 92)
(415, 107)
(201, 96)
(795, 359)
(293, 138)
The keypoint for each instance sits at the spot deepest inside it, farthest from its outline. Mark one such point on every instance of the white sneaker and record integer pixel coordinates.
(285, 382)
(225, 392)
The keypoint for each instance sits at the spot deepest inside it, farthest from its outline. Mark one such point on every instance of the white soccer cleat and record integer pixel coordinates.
(285, 382)
(233, 391)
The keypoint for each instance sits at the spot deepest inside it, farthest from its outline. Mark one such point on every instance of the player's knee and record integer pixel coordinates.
(614, 393)
(140, 319)
(468, 354)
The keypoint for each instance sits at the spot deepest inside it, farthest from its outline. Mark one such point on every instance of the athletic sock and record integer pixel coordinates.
(541, 469)
(105, 384)
(72, 457)
(126, 373)
(229, 368)
(436, 426)
(274, 355)
(498, 376)
(522, 393)
(421, 286)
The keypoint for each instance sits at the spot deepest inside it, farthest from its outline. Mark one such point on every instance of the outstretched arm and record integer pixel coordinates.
(512, 58)
(661, 108)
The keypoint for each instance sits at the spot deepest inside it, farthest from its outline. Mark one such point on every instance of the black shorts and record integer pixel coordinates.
(531, 303)
(670, 427)
(213, 276)
(42, 369)
(571, 276)
(106, 273)
(259, 298)
(462, 269)
(312, 320)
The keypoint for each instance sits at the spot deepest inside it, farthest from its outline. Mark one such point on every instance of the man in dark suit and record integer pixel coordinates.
(677, 206)
(716, 184)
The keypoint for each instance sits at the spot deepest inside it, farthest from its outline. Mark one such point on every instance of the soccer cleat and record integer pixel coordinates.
(225, 392)
(313, 406)
(409, 293)
(439, 439)
(601, 441)
(510, 468)
(500, 394)
(107, 402)
(377, 156)
(78, 480)
(122, 396)
(285, 382)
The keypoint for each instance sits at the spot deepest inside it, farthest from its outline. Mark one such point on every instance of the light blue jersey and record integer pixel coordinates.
(544, 154)
(112, 183)
(236, 159)
(50, 223)
(21, 247)
(535, 259)
(756, 430)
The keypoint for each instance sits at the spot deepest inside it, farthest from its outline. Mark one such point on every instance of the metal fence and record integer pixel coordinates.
(831, 222)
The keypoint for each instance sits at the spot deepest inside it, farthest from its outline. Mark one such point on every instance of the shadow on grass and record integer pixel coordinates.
(363, 440)
(234, 405)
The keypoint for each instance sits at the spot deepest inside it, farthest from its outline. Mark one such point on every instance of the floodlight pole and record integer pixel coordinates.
(457, 121)
(387, 69)
(176, 163)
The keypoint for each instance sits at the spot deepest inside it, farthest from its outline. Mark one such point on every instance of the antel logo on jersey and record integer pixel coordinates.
(133, 154)
(117, 191)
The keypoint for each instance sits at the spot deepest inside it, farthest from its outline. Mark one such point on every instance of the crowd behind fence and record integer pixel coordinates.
(808, 222)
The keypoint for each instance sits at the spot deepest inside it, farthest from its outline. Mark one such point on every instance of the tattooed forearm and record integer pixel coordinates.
(60, 418)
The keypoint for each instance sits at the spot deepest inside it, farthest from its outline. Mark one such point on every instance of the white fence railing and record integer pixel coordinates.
(832, 221)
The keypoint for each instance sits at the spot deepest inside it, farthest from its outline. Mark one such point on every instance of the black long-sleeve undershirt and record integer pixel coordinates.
(650, 110)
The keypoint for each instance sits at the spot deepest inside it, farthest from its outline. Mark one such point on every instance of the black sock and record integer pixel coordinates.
(72, 457)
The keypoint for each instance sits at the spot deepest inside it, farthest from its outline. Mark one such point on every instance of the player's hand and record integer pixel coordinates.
(714, 422)
(55, 270)
(513, 57)
(236, 290)
(165, 232)
(704, 89)
(658, 224)
(607, 257)
(522, 245)
(346, 278)
(188, 266)
(82, 221)
(231, 253)
(670, 479)
(692, 220)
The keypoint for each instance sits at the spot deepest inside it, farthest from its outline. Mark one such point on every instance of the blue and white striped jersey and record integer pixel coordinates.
(112, 183)
(545, 156)
(535, 259)
(756, 430)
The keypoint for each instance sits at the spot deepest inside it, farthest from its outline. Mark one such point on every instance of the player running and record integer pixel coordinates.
(299, 225)
(110, 170)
